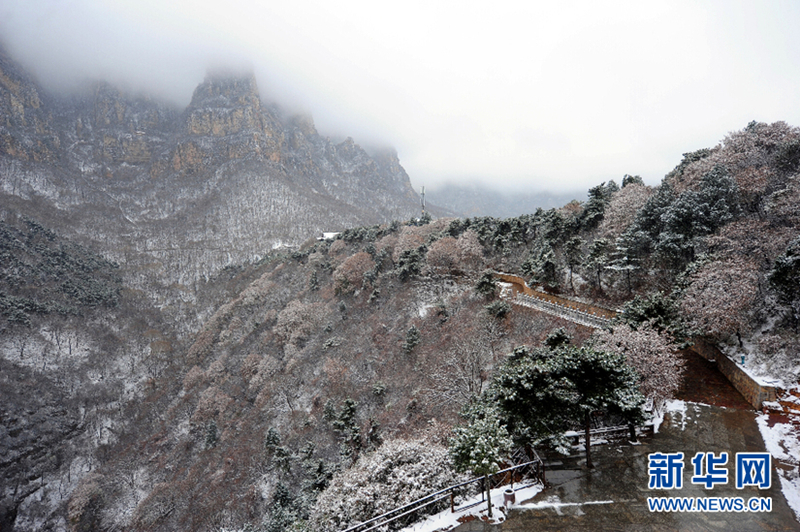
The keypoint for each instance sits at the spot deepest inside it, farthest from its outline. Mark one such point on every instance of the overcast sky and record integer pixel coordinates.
(531, 95)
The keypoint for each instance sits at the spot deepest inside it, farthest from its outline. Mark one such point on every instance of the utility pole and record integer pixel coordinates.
(423, 200)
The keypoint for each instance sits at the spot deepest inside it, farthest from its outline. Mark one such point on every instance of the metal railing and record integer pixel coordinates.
(533, 469)
(617, 432)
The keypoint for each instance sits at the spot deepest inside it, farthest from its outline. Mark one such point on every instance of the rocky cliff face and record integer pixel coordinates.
(25, 124)
(174, 195)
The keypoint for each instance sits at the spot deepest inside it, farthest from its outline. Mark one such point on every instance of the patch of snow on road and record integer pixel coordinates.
(557, 504)
(782, 441)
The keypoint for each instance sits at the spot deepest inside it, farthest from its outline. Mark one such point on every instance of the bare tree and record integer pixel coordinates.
(720, 298)
(651, 354)
(462, 372)
(443, 255)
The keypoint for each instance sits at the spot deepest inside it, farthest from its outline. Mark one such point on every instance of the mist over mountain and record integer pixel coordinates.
(478, 200)
(116, 212)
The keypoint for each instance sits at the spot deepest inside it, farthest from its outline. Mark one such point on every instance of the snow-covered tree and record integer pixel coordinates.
(413, 338)
(397, 473)
(487, 285)
(695, 214)
(720, 297)
(657, 310)
(628, 179)
(543, 393)
(349, 275)
(470, 251)
(443, 255)
(648, 224)
(595, 207)
(557, 338)
(461, 372)
(622, 209)
(573, 255)
(785, 278)
(298, 320)
(409, 264)
(597, 260)
(542, 266)
(650, 353)
(759, 145)
(623, 260)
(412, 237)
(480, 447)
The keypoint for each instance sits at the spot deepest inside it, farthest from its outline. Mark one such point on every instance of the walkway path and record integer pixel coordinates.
(575, 311)
(704, 383)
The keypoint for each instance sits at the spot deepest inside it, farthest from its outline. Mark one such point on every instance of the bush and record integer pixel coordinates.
(410, 263)
(557, 338)
(788, 157)
(399, 472)
(487, 285)
(498, 309)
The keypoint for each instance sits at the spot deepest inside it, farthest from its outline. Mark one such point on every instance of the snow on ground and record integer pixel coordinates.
(554, 502)
(759, 372)
(782, 440)
(476, 508)
(506, 289)
(424, 308)
(780, 369)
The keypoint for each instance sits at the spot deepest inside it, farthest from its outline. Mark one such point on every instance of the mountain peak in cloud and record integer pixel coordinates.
(227, 88)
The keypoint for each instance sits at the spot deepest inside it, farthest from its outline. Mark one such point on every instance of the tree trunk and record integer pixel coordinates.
(632, 428)
(488, 494)
(588, 442)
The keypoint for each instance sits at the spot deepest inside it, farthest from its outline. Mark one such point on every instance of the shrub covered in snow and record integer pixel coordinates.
(481, 446)
(397, 473)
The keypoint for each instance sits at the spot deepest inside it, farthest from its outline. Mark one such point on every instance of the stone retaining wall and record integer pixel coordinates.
(576, 316)
(520, 287)
(753, 392)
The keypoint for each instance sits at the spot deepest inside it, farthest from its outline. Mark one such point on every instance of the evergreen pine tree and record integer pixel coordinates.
(211, 434)
(413, 338)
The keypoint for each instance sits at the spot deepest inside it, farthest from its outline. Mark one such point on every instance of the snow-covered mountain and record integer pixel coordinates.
(174, 195)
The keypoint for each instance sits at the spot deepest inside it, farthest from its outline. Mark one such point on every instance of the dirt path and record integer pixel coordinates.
(704, 383)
